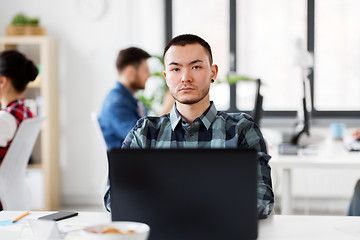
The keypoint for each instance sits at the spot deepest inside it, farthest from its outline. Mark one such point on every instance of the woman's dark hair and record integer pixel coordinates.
(17, 68)
(185, 39)
(130, 56)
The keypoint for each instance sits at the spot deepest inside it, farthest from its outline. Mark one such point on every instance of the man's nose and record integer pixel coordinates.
(186, 76)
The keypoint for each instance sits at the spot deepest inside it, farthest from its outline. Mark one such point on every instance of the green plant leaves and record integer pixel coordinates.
(22, 19)
(233, 77)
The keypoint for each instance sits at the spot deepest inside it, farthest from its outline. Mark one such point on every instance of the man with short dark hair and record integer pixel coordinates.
(120, 109)
(194, 121)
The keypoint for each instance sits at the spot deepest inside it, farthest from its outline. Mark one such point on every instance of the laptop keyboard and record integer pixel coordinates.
(353, 145)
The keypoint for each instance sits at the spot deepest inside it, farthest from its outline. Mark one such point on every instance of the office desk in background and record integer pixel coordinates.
(329, 154)
(275, 227)
(278, 227)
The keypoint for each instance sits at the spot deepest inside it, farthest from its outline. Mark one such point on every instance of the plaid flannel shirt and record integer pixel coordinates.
(212, 129)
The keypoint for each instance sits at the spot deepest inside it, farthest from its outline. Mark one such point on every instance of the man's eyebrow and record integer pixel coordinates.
(195, 61)
(175, 63)
(190, 63)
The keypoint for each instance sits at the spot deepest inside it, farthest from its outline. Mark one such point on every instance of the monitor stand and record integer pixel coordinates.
(287, 149)
(293, 142)
(289, 144)
(312, 139)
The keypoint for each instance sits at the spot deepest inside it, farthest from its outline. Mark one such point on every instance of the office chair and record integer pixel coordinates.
(14, 191)
(100, 136)
(258, 110)
(95, 121)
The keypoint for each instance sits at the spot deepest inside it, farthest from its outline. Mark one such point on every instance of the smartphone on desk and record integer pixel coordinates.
(59, 216)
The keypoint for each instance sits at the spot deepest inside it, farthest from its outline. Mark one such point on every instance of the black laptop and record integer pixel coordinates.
(186, 193)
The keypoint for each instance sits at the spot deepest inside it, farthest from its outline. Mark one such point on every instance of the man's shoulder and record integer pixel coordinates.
(115, 93)
(236, 117)
(152, 121)
(118, 98)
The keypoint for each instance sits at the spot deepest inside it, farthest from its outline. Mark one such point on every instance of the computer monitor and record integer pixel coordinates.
(258, 110)
(303, 114)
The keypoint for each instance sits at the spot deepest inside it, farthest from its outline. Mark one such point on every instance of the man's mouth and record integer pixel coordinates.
(186, 88)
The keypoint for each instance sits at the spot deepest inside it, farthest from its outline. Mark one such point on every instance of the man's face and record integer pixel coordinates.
(140, 76)
(188, 73)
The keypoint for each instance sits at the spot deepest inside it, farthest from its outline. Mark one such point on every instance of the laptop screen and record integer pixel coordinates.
(186, 193)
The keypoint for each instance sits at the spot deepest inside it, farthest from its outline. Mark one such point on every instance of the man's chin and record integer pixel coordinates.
(189, 101)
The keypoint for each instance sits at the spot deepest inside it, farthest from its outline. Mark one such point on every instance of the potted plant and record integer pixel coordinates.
(23, 25)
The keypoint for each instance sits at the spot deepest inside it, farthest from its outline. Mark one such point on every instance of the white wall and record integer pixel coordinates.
(87, 50)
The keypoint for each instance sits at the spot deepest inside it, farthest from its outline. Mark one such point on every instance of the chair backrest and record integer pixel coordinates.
(94, 118)
(14, 192)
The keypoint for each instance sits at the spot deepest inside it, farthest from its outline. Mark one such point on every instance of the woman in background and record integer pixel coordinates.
(15, 73)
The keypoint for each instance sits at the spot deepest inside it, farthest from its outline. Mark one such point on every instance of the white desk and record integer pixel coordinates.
(84, 219)
(275, 227)
(330, 155)
(309, 227)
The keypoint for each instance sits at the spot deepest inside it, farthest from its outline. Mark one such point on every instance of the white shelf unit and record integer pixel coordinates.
(42, 50)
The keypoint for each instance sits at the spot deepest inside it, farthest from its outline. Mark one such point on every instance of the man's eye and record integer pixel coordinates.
(196, 67)
(175, 69)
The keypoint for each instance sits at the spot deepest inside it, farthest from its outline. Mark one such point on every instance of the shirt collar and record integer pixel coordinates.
(125, 91)
(20, 101)
(206, 118)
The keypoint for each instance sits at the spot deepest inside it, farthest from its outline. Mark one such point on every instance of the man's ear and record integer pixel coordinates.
(214, 71)
(3, 82)
(129, 71)
(166, 79)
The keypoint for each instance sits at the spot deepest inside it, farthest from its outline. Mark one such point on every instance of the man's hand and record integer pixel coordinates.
(356, 134)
